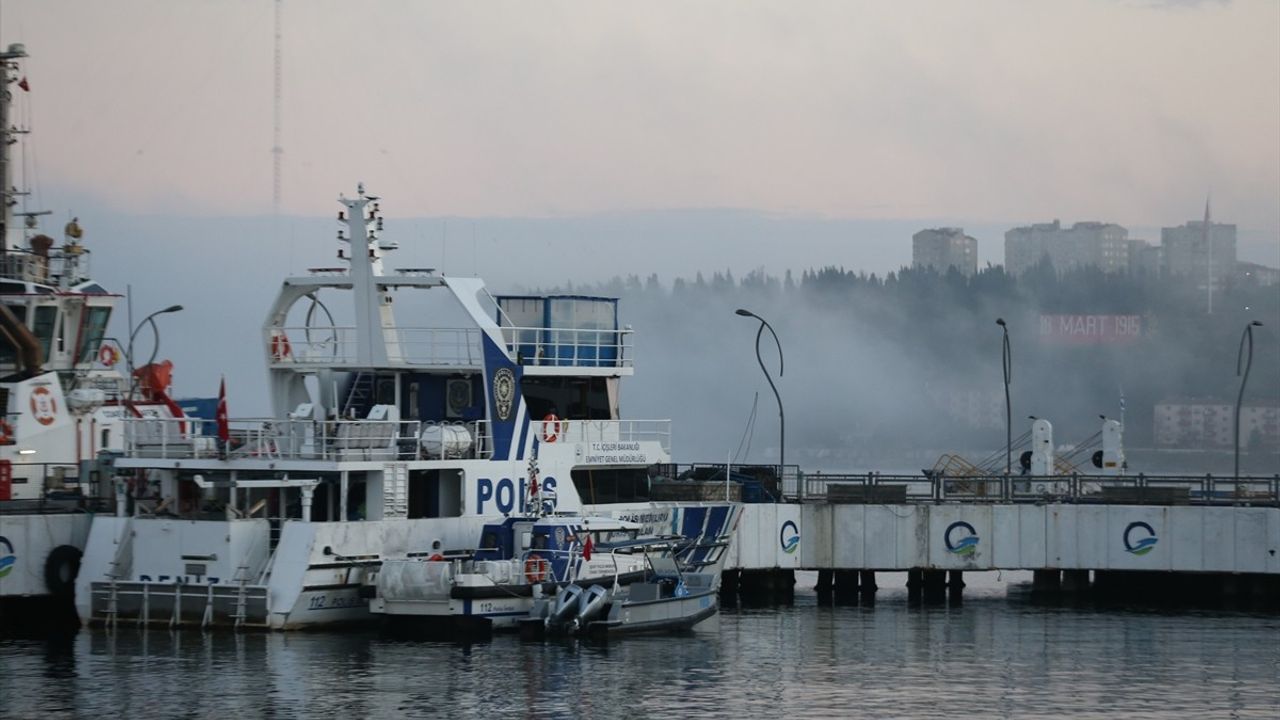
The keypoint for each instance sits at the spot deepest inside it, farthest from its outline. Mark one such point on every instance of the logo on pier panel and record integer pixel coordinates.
(789, 537)
(1143, 545)
(964, 544)
(7, 556)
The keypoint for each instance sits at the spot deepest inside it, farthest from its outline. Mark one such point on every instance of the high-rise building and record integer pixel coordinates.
(1085, 244)
(1207, 259)
(1144, 259)
(943, 249)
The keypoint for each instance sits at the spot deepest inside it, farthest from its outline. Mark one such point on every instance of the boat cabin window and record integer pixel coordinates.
(8, 352)
(435, 493)
(42, 326)
(611, 485)
(540, 541)
(571, 398)
(95, 327)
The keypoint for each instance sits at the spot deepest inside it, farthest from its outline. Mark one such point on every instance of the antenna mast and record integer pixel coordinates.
(276, 149)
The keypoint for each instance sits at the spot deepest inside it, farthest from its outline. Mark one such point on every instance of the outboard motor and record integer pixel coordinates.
(590, 604)
(566, 605)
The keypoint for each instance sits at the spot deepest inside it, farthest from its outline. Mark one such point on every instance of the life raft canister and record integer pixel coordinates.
(552, 427)
(535, 568)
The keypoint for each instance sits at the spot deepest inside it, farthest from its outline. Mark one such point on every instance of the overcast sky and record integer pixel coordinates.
(975, 112)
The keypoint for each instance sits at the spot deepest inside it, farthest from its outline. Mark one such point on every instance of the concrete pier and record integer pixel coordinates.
(1086, 549)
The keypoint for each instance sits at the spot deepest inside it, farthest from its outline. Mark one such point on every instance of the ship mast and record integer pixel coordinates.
(8, 75)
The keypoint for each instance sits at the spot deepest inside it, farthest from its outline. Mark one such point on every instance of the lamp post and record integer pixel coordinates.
(150, 319)
(1247, 361)
(1007, 362)
(782, 420)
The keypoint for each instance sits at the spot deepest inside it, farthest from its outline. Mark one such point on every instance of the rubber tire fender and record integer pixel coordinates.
(60, 570)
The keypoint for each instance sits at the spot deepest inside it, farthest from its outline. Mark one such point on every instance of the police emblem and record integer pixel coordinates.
(504, 392)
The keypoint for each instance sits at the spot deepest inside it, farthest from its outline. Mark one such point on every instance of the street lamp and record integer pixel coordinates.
(782, 420)
(1248, 363)
(1007, 359)
(150, 319)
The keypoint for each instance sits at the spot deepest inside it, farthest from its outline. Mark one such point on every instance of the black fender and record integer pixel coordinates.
(60, 570)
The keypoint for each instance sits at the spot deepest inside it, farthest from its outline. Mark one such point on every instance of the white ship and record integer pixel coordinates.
(387, 440)
(62, 395)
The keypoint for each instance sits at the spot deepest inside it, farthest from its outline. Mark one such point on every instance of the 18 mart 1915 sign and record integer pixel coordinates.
(617, 453)
(1090, 329)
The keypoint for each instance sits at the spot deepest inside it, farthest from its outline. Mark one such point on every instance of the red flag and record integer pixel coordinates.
(533, 486)
(224, 432)
(586, 548)
(24, 84)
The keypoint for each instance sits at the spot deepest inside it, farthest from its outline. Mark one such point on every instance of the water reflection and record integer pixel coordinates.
(991, 656)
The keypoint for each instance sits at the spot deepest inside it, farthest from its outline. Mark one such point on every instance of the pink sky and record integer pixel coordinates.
(996, 110)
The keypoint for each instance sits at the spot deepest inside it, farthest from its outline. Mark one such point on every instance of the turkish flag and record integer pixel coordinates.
(224, 432)
(586, 548)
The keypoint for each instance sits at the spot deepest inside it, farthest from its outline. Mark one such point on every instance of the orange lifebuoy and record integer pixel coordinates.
(436, 558)
(552, 427)
(535, 568)
(280, 346)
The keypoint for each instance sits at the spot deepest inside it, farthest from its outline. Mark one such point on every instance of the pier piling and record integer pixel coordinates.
(935, 586)
(846, 587)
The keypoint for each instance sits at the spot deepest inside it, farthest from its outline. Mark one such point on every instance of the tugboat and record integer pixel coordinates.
(62, 394)
(386, 441)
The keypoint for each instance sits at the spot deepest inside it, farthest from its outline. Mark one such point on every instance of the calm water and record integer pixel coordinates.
(992, 657)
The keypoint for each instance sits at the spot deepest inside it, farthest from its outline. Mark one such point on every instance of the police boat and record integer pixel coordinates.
(385, 441)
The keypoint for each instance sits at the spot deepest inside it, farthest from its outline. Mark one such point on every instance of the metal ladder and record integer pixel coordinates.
(361, 390)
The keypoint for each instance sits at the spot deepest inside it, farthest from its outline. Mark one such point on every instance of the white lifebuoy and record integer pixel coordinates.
(552, 427)
(108, 356)
(43, 407)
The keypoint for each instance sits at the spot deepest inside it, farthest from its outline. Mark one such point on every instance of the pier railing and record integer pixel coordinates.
(1139, 489)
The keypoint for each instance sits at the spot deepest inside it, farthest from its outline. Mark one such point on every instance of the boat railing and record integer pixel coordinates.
(569, 347)
(274, 439)
(69, 261)
(338, 345)
(609, 433)
(1139, 489)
